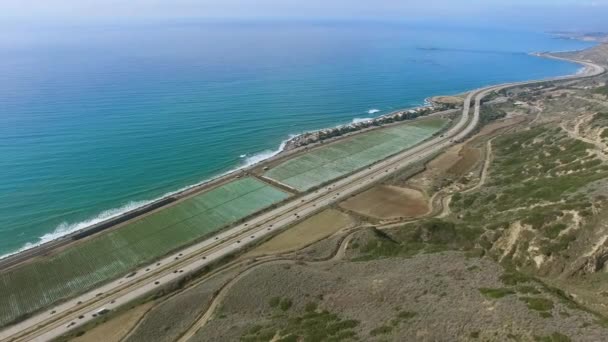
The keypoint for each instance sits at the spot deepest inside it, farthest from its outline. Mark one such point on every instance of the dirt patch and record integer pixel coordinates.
(468, 159)
(305, 233)
(116, 328)
(387, 201)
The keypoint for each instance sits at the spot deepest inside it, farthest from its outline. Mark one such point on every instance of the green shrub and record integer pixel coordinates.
(538, 303)
(495, 293)
(405, 315)
(285, 304)
(310, 307)
(526, 289)
(274, 302)
(381, 330)
(514, 278)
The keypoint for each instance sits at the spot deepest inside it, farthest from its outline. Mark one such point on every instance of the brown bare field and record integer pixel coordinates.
(469, 157)
(116, 328)
(304, 233)
(387, 201)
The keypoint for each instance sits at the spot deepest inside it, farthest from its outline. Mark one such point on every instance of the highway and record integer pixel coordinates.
(64, 317)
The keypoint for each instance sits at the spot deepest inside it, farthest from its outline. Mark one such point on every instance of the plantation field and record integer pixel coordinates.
(80, 267)
(341, 158)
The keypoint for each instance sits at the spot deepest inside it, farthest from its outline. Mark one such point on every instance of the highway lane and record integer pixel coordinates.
(58, 320)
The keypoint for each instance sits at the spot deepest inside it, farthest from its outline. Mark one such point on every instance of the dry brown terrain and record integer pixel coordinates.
(305, 233)
(433, 297)
(469, 156)
(388, 202)
(117, 328)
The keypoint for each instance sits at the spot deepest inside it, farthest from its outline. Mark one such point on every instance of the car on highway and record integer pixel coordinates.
(102, 311)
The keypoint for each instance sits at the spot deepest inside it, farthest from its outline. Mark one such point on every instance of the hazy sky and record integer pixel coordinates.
(542, 14)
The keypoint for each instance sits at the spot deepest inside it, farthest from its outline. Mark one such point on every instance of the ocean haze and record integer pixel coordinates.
(106, 118)
(530, 14)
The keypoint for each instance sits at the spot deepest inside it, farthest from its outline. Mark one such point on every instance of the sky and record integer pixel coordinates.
(539, 14)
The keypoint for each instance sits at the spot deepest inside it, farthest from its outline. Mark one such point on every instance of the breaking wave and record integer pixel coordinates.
(358, 120)
(66, 228)
(261, 156)
(373, 111)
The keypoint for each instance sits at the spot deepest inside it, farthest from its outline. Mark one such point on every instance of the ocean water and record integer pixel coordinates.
(96, 120)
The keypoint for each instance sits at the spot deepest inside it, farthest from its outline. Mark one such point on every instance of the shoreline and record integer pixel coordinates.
(290, 145)
(64, 232)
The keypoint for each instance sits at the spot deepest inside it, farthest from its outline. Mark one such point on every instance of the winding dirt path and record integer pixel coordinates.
(221, 295)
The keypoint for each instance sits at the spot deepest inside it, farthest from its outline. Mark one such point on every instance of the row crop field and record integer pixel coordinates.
(82, 266)
(341, 158)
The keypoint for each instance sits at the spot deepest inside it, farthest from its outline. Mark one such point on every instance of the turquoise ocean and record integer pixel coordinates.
(96, 120)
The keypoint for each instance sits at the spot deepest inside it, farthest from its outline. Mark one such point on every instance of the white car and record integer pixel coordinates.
(102, 311)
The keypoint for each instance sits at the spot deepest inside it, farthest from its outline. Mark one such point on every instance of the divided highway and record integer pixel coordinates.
(62, 318)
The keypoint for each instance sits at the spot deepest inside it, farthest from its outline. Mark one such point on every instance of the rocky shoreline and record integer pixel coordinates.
(304, 139)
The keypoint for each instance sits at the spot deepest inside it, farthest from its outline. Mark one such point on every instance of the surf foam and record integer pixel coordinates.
(373, 111)
(261, 156)
(66, 228)
(358, 120)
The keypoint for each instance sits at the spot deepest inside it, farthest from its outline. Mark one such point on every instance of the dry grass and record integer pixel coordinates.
(303, 234)
(469, 157)
(386, 202)
(116, 328)
(428, 297)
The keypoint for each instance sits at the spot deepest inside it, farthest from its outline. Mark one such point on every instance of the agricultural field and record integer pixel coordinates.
(110, 255)
(346, 156)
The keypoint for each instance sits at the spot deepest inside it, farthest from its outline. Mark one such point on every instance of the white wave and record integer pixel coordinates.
(373, 111)
(261, 156)
(358, 120)
(243, 156)
(66, 228)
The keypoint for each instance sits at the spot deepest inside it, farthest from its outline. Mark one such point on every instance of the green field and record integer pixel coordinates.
(344, 157)
(110, 255)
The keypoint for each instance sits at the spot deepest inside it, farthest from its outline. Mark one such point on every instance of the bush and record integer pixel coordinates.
(538, 303)
(274, 302)
(514, 278)
(404, 315)
(310, 307)
(495, 293)
(381, 330)
(285, 304)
